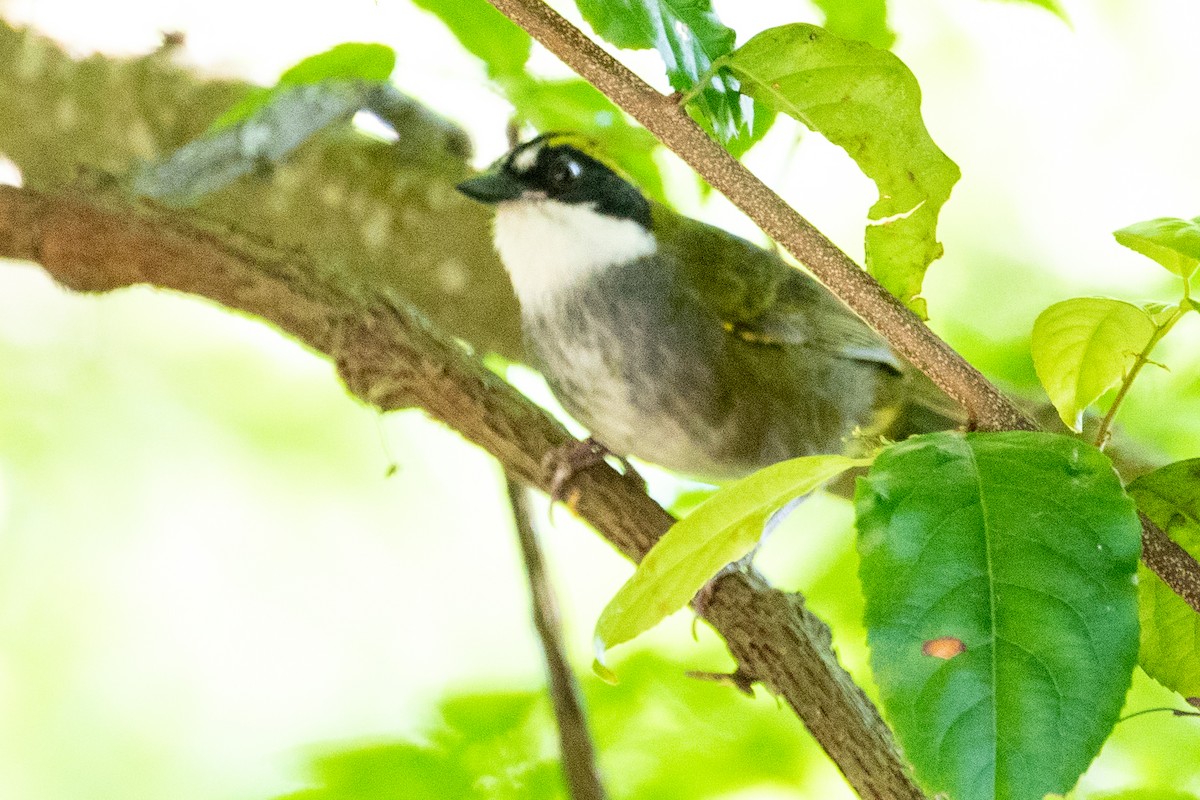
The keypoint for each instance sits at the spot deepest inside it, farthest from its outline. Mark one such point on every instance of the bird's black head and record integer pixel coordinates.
(560, 167)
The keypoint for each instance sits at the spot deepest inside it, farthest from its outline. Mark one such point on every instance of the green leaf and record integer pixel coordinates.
(689, 37)
(629, 25)
(485, 33)
(721, 530)
(352, 61)
(1147, 793)
(867, 102)
(471, 754)
(1018, 548)
(380, 772)
(1172, 242)
(759, 117)
(1170, 496)
(1085, 346)
(486, 739)
(862, 20)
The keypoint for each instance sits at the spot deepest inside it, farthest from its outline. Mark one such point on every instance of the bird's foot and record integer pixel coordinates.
(566, 462)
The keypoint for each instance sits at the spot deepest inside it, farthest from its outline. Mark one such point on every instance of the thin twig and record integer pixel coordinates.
(575, 741)
(1143, 358)
(1177, 712)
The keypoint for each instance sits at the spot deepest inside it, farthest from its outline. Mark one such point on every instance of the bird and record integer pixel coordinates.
(677, 342)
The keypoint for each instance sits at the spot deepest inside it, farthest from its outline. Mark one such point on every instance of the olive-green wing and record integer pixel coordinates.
(760, 297)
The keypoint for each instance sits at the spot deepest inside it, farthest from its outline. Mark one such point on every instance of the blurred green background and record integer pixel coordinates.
(209, 575)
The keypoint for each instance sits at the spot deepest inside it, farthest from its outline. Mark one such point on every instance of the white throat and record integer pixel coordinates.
(548, 246)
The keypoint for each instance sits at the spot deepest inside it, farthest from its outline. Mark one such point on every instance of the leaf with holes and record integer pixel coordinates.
(1085, 346)
(689, 37)
(1000, 606)
(721, 530)
(867, 102)
(1170, 651)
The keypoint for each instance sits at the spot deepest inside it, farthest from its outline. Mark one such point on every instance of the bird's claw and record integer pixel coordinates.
(566, 462)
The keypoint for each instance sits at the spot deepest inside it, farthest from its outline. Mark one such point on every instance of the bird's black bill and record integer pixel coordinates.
(492, 187)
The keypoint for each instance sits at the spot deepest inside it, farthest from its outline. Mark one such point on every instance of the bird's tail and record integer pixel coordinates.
(927, 409)
(924, 409)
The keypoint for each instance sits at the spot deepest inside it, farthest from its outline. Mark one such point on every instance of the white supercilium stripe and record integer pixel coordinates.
(524, 160)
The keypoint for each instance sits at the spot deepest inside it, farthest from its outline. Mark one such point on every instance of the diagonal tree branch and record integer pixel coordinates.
(988, 407)
(390, 357)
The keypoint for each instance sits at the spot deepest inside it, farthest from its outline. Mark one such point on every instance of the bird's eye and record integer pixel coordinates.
(563, 174)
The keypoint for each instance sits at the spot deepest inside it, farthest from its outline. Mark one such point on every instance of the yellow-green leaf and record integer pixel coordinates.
(351, 61)
(863, 20)
(485, 33)
(721, 530)
(1085, 346)
(690, 37)
(1172, 242)
(866, 101)
(1170, 649)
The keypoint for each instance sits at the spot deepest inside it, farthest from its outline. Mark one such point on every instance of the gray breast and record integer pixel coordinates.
(651, 373)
